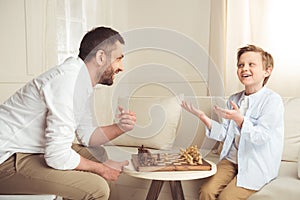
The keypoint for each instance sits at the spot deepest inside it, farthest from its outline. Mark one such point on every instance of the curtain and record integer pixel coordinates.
(73, 18)
(71, 26)
(272, 25)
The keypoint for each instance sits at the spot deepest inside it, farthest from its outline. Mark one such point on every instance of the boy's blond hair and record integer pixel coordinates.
(267, 58)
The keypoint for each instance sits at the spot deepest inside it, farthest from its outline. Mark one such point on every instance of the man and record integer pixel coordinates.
(40, 121)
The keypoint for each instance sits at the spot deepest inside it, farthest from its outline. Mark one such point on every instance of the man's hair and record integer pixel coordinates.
(267, 58)
(103, 38)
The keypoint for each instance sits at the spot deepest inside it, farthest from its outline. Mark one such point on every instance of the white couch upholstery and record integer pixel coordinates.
(286, 186)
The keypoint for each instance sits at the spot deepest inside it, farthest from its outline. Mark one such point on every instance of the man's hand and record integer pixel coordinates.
(111, 170)
(126, 119)
(103, 134)
(234, 114)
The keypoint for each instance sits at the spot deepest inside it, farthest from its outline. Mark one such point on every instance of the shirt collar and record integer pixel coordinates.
(252, 97)
(86, 76)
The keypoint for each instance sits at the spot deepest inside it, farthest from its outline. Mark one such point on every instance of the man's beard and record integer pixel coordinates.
(107, 77)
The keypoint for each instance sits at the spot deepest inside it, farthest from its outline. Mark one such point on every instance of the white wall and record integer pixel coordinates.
(23, 43)
(166, 70)
(28, 40)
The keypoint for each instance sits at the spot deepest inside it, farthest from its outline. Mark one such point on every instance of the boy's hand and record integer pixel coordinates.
(126, 120)
(190, 108)
(234, 114)
(199, 113)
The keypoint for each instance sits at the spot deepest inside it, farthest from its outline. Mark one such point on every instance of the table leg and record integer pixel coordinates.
(154, 190)
(176, 190)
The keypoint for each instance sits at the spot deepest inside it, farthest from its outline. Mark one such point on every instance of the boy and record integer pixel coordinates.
(252, 131)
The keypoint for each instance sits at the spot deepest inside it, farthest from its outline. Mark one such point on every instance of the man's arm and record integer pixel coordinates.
(109, 170)
(104, 134)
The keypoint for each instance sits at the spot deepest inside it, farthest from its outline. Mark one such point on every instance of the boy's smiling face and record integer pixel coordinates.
(251, 71)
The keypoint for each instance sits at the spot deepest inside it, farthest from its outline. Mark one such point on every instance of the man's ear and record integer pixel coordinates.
(100, 57)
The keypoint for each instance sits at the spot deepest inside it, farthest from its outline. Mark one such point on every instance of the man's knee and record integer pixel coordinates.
(103, 192)
(99, 189)
(89, 186)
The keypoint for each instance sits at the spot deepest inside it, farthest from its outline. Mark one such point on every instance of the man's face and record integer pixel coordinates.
(114, 67)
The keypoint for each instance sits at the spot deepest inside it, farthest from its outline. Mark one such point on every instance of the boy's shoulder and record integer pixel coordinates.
(237, 95)
(264, 93)
(270, 93)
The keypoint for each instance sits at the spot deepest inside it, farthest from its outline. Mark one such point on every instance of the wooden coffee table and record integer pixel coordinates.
(174, 179)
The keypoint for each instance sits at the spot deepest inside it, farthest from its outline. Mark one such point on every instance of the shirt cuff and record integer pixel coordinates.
(215, 131)
(67, 161)
(84, 135)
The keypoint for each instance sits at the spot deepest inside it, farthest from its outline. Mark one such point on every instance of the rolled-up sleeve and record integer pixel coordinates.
(60, 122)
(217, 131)
(87, 123)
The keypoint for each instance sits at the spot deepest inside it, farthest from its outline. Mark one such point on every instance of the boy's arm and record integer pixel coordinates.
(198, 113)
(234, 114)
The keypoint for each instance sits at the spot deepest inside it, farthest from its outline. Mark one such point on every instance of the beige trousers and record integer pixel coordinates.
(29, 174)
(222, 185)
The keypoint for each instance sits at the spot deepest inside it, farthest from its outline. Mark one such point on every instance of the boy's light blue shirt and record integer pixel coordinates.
(261, 138)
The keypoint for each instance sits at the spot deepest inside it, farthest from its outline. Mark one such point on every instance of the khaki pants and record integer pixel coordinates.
(29, 174)
(222, 185)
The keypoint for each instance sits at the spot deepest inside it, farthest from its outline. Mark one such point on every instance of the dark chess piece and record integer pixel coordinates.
(142, 149)
(145, 157)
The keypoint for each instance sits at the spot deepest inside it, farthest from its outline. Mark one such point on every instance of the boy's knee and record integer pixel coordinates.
(225, 195)
(208, 191)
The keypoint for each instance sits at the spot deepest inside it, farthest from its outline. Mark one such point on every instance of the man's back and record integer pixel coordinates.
(23, 115)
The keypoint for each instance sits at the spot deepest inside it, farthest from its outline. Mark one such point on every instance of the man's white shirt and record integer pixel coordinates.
(45, 114)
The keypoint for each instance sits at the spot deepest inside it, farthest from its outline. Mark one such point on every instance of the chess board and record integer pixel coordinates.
(149, 162)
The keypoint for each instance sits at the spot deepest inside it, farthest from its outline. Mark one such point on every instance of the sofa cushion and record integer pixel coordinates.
(292, 130)
(285, 186)
(157, 122)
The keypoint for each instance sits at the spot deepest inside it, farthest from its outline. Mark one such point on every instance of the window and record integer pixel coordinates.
(71, 26)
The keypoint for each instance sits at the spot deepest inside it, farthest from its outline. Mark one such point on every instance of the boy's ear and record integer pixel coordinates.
(100, 57)
(268, 71)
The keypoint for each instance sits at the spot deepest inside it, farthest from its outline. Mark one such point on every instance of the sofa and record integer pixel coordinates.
(180, 130)
(183, 130)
